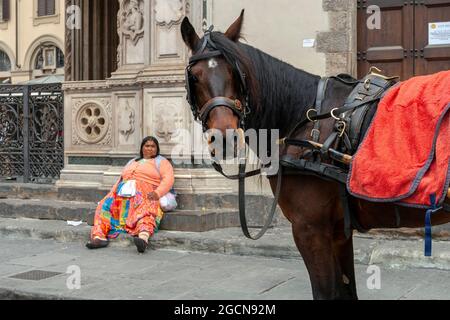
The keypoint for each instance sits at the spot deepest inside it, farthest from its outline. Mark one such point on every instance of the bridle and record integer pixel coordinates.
(238, 107)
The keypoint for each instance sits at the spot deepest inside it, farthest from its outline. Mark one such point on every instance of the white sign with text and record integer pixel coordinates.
(439, 33)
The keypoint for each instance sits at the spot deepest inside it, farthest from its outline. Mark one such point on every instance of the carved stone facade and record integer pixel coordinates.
(108, 119)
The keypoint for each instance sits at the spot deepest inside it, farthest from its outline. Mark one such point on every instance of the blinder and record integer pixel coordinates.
(241, 109)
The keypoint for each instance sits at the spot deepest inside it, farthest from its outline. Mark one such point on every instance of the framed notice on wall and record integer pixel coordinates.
(439, 33)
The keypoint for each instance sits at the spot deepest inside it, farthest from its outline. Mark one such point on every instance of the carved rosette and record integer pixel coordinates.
(91, 122)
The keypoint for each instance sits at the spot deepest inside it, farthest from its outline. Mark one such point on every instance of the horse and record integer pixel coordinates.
(279, 96)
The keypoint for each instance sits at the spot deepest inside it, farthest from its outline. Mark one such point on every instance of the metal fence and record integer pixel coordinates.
(31, 133)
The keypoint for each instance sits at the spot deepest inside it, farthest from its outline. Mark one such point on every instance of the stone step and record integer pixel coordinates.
(277, 243)
(179, 220)
(46, 209)
(185, 201)
(195, 212)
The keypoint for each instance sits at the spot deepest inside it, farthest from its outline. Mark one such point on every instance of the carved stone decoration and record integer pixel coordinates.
(119, 31)
(68, 48)
(168, 120)
(168, 12)
(131, 18)
(91, 122)
(126, 121)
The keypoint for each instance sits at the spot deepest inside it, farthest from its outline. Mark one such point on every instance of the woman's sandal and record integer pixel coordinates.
(97, 244)
(141, 244)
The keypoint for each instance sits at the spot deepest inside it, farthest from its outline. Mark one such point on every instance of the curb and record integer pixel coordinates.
(14, 294)
(277, 243)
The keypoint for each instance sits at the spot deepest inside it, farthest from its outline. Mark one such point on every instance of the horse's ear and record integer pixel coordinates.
(234, 31)
(190, 37)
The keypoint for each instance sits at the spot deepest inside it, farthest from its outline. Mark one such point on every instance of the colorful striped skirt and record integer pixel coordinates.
(116, 214)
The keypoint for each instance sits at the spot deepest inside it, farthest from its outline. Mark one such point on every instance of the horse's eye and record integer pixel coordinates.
(194, 79)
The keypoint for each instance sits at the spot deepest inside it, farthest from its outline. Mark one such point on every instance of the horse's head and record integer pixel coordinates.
(217, 77)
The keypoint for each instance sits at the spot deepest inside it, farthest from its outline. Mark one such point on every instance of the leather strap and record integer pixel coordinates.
(235, 105)
(323, 170)
(204, 56)
(328, 114)
(250, 174)
(321, 91)
(242, 216)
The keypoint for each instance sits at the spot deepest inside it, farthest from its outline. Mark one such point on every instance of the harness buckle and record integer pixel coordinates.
(315, 133)
(341, 126)
(238, 105)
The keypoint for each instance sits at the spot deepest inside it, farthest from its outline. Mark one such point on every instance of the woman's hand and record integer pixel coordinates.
(153, 196)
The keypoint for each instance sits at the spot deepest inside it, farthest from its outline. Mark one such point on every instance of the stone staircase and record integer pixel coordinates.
(196, 213)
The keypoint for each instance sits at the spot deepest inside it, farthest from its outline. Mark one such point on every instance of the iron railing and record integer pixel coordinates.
(31, 132)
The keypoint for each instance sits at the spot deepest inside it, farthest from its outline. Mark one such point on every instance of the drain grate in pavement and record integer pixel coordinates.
(35, 275)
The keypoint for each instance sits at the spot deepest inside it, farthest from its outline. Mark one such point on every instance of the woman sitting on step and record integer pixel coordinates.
(132, 206)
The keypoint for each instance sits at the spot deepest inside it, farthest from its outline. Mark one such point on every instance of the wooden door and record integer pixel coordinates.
(388, 48)
(402, 46)
(431, 58)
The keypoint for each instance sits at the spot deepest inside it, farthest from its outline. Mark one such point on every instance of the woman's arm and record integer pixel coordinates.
(167, 178)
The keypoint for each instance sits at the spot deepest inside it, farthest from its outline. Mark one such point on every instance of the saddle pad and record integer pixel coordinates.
(405, 154)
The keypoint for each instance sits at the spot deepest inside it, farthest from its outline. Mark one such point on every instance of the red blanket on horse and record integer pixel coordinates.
(405, 154)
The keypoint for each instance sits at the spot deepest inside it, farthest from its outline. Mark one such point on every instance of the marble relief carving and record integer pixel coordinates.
(91, 122)
(127, 121)
(168, 12)
(168, 121)
(168, 15)
(132, 20)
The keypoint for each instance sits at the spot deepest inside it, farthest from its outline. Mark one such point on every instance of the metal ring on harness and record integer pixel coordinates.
(308, 116)
(367, 84)
(332, 114)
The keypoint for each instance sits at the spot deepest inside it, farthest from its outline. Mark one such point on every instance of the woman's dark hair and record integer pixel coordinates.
(141, 153)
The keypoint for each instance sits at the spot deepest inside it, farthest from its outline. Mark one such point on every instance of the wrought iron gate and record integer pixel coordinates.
(31, 132)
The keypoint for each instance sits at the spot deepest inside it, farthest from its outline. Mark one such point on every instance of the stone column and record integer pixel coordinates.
(90, 43)
(339, 43)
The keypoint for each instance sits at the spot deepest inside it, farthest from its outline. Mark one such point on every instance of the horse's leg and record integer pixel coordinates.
(329, 264)
(311, 208)
(343, 249)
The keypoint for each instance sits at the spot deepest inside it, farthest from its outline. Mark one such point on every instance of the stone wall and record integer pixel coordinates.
(339, 43)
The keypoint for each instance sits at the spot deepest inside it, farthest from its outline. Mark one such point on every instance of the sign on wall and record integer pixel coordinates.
(439, 33)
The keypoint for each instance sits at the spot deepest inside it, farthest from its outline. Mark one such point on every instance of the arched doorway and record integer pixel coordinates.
(5, 68)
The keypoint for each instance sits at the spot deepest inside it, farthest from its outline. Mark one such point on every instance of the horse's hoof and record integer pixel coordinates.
(141, 245)
(97, 244)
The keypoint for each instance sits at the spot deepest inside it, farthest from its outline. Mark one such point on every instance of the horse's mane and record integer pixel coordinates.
(279, 93)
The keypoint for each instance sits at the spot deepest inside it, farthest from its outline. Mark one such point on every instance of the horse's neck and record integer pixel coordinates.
(286, 93)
